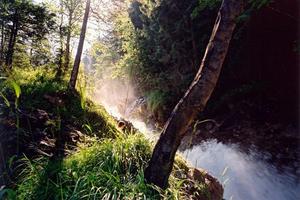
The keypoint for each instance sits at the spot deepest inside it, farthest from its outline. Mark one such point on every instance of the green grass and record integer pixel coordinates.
(110, 166)
(38, 84)
(109, 169)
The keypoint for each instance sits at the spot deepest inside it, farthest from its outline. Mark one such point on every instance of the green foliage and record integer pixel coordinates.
(157, 57)
(235, 94)
(104, 59)
(254, 5)
(164, 52)
(4, 86)
(23, 22)
(21, 58)
(41, 53)
(5, 99)
(17, 91)
(109, 169)
(40, 90)
(155, 100)
(11, 85)
(16, 88)
(258, 4)
(35, 84)
(204, 4)
(7, 194)
(110, 166)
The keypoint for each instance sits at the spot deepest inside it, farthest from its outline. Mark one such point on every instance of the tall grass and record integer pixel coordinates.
(109, 169)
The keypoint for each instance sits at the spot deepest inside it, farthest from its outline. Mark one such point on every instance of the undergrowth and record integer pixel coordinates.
(108, 169)
(110, 166)
(41, 90)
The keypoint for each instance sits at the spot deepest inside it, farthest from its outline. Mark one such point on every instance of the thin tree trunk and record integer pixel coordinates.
(31, 54)
(196, 97)
(74, 73)
(2, 43)
(12, 41)
(67, 53)
(61, 38)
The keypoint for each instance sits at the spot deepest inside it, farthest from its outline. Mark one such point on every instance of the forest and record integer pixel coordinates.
(149, 99)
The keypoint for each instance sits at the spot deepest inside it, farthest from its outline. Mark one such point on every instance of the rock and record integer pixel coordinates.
(126, 126)
(41, 115)
(54, 100)
(214, 186)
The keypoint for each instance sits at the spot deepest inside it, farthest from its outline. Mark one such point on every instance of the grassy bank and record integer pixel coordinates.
(78, 151)
(108, 169)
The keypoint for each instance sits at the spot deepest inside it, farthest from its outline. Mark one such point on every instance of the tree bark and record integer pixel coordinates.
(61, 38)
(74, 73)
(69, 32)
(12, 41)
(2, 43)
(196, 97)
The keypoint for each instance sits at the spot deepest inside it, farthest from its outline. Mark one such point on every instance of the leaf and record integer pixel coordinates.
(243, 17)
(82, 98)
(17, 88)
(258, 4)
(5, 99)
(88, 128)
(263, 3)
(8, 193)
(10, 161)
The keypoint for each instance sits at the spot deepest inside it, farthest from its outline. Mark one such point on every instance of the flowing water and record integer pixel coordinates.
(245, 176)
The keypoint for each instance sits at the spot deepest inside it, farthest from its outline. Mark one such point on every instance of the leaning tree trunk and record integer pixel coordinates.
(196, 97)
(74, 73)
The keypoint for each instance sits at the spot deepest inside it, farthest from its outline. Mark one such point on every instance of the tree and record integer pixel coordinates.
(40, 52)
(74, 73)
(3, 16)
(73, 12)
(196, 97)
(61, 34)
(22, 21)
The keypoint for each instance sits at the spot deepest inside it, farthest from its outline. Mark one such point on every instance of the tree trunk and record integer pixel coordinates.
(67, 53)
(2, 43)
(61, 38)
(12, 41)
(74, 73)
(196, 97)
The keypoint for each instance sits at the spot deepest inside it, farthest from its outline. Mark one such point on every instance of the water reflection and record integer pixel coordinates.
(249, 176)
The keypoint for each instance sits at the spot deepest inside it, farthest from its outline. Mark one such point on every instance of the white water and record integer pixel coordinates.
(248, 177)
